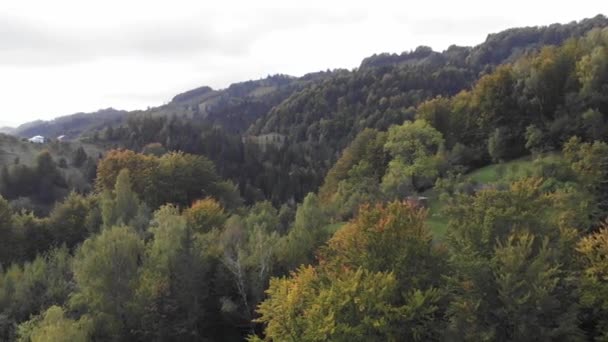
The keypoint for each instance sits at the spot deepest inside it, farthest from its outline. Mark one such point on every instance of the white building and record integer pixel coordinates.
(39, 139)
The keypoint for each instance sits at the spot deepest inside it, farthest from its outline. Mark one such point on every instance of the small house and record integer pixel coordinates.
(39, 139)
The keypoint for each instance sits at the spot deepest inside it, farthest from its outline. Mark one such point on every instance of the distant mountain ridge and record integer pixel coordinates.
(497, 48)
(262, 106)
(71, 126)
(278, 136)
(235, 108)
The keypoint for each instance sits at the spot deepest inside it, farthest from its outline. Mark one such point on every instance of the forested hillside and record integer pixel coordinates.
(304, 129)
(429, 196)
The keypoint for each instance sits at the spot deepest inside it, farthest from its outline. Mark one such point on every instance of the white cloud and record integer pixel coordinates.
(64, 56)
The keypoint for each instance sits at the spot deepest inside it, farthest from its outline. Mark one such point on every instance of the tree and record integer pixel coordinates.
(498, 144)
(356, 305)
(47, 178)
(368, 148)
(594, 123)
(127, 202)
(54, 326)
(262, 215)
(248, 252)
(362, 186)
(122, 206)
(377, 278)
(414, 147)
(534, 140)
(593, 254)
(590, 163)
(438, 113)
(308, 232)
(182, 178)
(6, 233)
(388, 238)
(140, 168)
(67, 222)
(105, 270)
(79, 157)
(592, 70)
(512, 266)
(29, 289)
(173, 290)
(205, 215)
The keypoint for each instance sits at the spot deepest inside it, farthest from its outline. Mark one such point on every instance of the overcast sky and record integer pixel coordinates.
(60, 57)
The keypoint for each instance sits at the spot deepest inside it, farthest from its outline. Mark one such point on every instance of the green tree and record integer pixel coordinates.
(593, 256)
(512, 263)
(414, 147)
(362, 186)
(54, 326)
(262, 215)
(438, 113)
(79, 157)
(594, 123)
(308, 233)
(6, 233)
(248, 252)
(122, 206)
(589, 161)
(105, 270)
(498, 144)
(535, 140)
(48, 178)
(67, 222)
(173, 291)
(182, 178)
(29, 289)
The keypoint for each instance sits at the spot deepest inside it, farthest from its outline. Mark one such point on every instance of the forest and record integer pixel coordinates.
(428, 196)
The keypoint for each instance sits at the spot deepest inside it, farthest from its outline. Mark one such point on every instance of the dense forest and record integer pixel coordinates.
(458, 195)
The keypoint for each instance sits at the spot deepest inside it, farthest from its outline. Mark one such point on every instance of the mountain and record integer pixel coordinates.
(7, 130)
(70, 125)
(236, 107)
(504, 46)
(273, 101)
(278, 136)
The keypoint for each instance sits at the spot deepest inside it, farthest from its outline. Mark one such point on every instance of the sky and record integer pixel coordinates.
(66, 56)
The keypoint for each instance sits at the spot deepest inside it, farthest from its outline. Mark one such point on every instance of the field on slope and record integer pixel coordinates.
(494, 174)
(14, 150)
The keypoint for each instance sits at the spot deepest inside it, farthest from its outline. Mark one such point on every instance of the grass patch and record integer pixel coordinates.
(438, 225)
(496, 173)
(334, 227)
(509, 171)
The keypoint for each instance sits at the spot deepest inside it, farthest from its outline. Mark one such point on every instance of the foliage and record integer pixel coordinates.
(414, 147)
(105, 270)
(205, 215)
(376, 279)
(54, 326)
(511, 265)
(593, 252)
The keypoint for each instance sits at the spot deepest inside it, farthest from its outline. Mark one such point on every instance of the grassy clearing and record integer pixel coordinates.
(491, 174)
(334, 227)
(509, 171)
